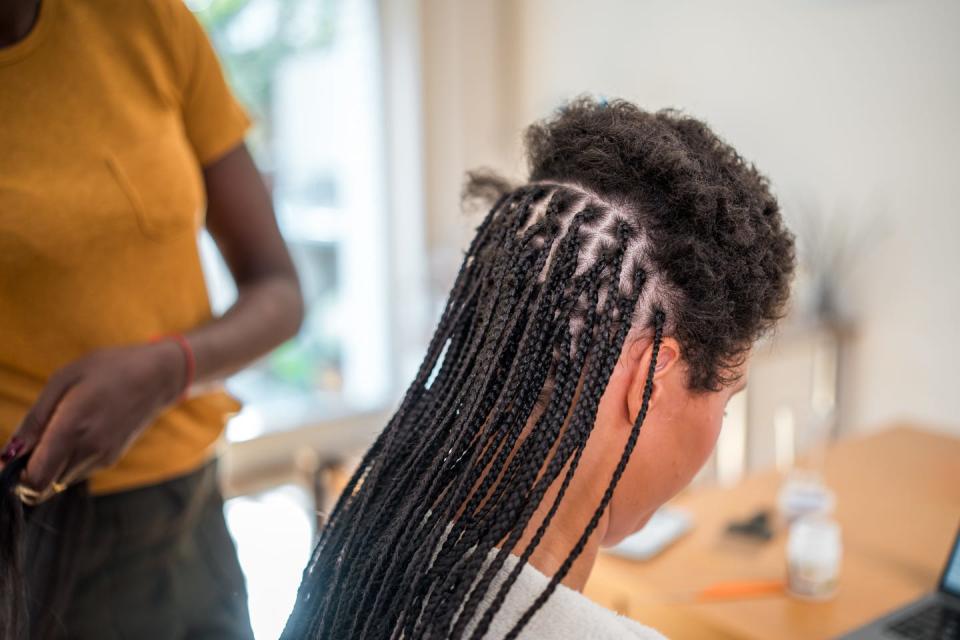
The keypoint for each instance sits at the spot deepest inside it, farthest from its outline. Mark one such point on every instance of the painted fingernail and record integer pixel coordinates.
(13, 450)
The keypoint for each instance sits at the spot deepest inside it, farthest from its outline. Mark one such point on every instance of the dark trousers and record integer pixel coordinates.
(155, 563)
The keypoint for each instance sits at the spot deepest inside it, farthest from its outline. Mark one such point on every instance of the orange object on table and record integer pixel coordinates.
(741, 589)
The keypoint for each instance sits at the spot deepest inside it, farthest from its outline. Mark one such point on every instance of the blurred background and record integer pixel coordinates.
(368, 113)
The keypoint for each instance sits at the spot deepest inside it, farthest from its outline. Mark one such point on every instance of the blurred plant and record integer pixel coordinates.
(830, 247)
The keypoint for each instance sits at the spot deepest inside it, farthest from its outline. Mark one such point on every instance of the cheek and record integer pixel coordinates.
(707, 431)
(710, 432)
(670, 451)
(696, 434)
(678, 446)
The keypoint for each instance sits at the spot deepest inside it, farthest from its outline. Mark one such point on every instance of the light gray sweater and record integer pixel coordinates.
(567, 614)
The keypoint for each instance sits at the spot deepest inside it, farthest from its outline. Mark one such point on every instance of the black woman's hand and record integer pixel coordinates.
(93, 409)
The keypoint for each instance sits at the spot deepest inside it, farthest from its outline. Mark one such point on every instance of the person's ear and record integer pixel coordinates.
(667, 363)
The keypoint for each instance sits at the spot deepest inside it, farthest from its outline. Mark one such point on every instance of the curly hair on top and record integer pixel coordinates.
(714, 231)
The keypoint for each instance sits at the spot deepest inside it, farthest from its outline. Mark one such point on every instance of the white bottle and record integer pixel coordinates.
(814, 554)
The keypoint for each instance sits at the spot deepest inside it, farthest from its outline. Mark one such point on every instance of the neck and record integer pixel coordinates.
(17, 18)
(566, 527)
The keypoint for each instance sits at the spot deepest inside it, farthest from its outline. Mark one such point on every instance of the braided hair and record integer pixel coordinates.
(556, 278)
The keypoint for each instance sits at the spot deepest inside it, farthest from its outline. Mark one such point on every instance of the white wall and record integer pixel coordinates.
(852, 105)
(467, 112)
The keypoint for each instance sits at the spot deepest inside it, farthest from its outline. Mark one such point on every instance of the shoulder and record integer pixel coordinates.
(568, 608)
(159, 38)
(566, 614)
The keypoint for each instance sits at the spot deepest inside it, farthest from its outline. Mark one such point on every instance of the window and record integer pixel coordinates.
(309, 72)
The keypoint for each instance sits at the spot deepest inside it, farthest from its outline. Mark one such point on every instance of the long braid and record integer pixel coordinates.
(460, 311)
(401, 553)
(521, 376)
(447, 321)
(521, 461)
(542, 305)
(526, 396)
(476, 524)
(332, 535)
(463, 447)
(608, 494)
(540, 442)
(499, 314)
(531, 354)
(603, 360)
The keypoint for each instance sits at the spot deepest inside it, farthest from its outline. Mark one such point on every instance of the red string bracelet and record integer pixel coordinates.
(190, 362)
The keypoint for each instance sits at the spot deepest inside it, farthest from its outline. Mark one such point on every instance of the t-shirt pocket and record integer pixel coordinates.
(163, 183)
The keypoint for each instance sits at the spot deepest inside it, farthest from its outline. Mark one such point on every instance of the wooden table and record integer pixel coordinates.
(898, 503)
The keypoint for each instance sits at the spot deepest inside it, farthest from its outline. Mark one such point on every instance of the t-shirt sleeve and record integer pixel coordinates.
(214, 120)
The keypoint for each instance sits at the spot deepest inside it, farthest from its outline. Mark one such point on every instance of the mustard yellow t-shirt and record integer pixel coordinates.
(109, 109)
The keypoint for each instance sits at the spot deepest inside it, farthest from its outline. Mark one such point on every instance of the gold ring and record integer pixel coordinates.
(58, 487)
(26, 494)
